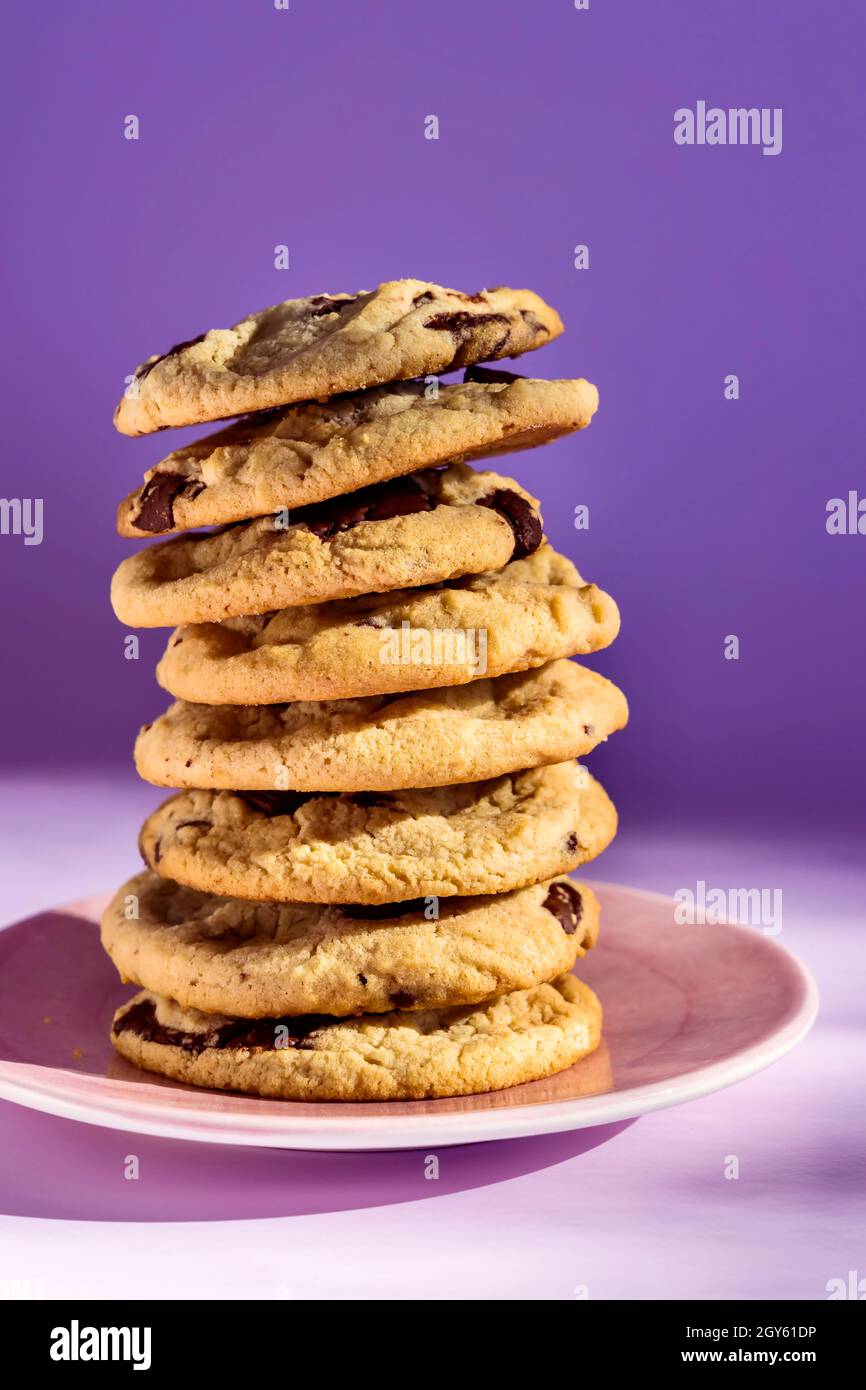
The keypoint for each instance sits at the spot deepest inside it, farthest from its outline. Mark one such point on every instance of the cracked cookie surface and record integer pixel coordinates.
(426, 528)
(520, 617)
(321, 449)
(262, 960)
(521, 1036)
(462, 733)
(380, 847)
(320, 346)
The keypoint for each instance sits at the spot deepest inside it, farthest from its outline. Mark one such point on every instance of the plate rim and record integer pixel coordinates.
(356, 1133)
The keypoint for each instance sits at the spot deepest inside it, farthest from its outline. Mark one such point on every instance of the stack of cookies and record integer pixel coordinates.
(358, 889)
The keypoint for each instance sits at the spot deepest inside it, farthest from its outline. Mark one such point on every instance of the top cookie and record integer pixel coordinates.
(318, 450)
(307, 349)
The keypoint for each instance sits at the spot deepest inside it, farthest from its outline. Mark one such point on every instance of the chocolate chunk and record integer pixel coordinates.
(379, 502)
(491, 375)
(521, 517)
(325, 305)
(245, 1033)
(566, 904)
(157, 499)
(425, 298)
(462, 325)
(402, 1000)
(380, 912)
(148, 367)
(461, 322)
(276, 803)
(499, 347)
(362, 979)
(571, 843)
(534, 322)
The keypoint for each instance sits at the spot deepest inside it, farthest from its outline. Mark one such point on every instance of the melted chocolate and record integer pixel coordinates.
(379, 502)
(325, 305)
(491, 375)
(534, 322)
(157, 498)
(521, 517)
(566, 904)
(244, 1033)
(148, 367)
(462, 325)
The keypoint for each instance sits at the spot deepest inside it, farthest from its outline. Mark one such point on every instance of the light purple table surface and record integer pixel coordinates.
(635, 1211)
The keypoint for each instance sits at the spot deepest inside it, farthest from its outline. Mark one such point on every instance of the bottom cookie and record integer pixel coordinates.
(522, 1036)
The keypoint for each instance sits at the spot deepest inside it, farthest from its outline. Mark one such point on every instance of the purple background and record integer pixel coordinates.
(260, 127)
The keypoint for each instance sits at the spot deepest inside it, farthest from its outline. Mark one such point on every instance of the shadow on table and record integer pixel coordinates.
(58, 992)
(59, 1169)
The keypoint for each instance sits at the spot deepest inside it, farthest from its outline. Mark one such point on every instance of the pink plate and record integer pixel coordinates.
(688, 1010)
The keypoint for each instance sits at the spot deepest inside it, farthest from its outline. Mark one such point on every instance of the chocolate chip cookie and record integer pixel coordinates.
(462, 733)
(520, 617)
(431, 526)
(260, 960)
(380, 847)
(521, 1036)
(309, 349)
(307, 453)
